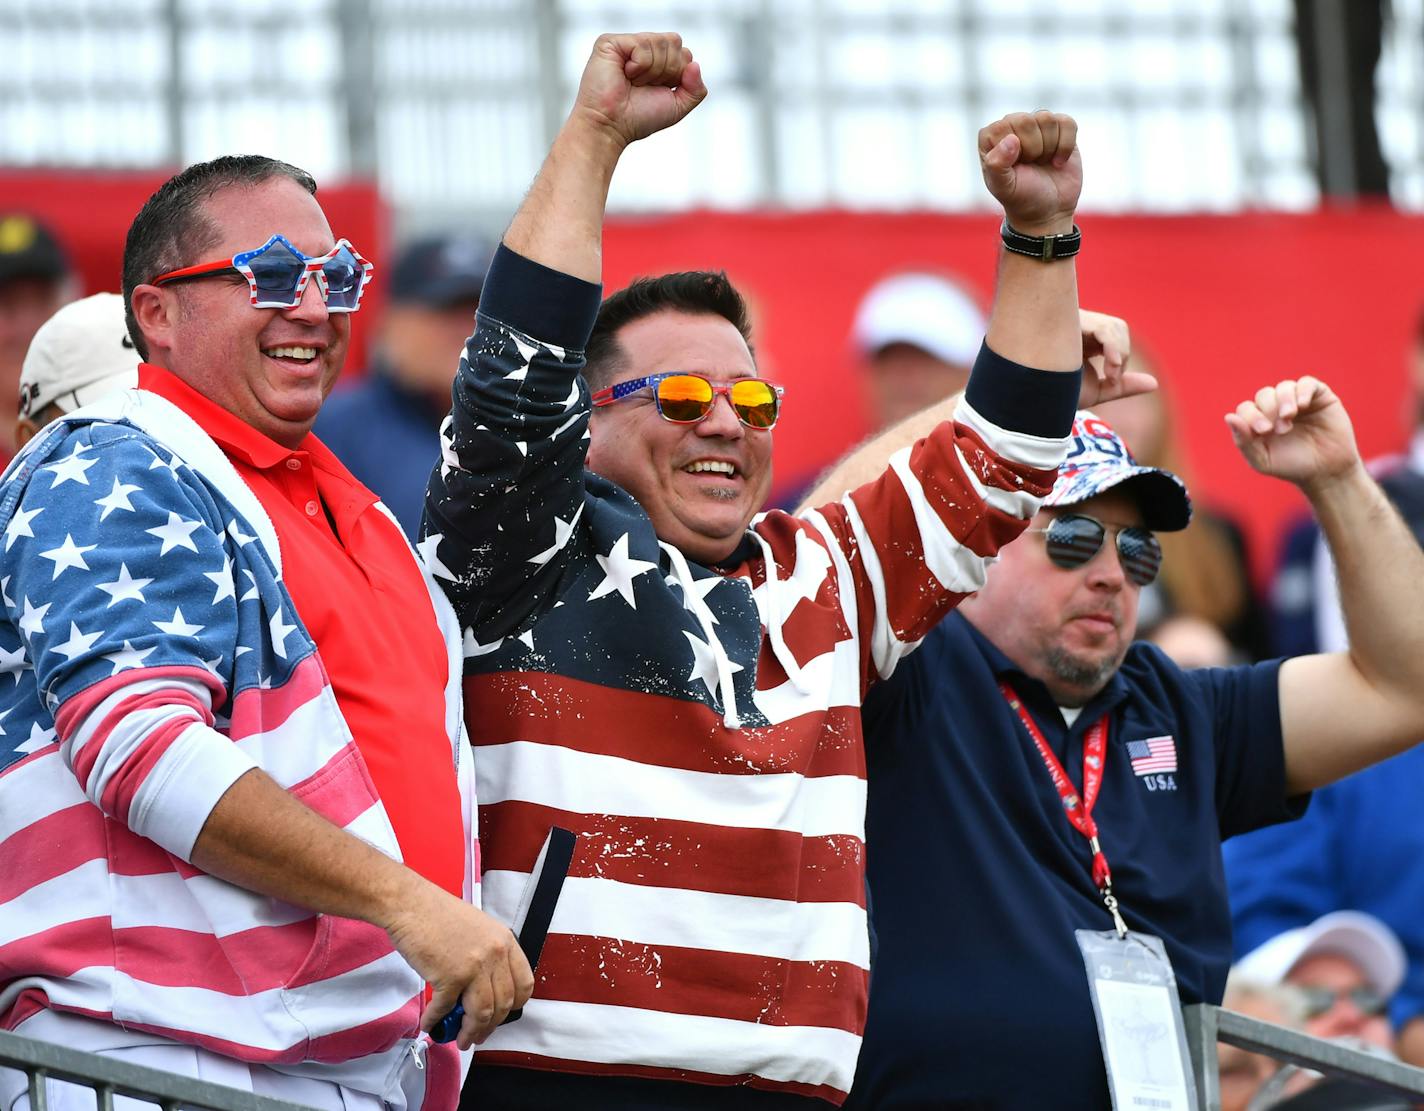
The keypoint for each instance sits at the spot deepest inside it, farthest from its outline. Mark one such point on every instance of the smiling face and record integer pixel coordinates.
(1067, 627)
(270, 367)
(700, 483)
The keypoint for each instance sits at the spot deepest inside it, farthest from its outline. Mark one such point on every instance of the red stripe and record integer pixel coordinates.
(635, 725)
(660, 852)
(88, 754)
(28, 1003)
(59, 951)
(73, 710)
(126, 781)
(259, 710)
(442, 1077)
(340, 790)
(741, 986)
(375, 1036)
(132, 855)
(517, 1060)
(50, 847)
(260, 959)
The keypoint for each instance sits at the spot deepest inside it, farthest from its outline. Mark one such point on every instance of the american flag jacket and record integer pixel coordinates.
(698, 727)
(149, 656)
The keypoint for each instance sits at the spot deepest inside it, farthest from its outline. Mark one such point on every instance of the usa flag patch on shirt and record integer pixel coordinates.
(1154, 755)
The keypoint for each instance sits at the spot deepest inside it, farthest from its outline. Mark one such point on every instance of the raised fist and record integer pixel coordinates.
(638, 84)
(1032, 167)
(1296, 430)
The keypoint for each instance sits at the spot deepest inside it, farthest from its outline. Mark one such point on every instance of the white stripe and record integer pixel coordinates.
(625, 1035)
(203, 904)
(175, 798)
(34, 790)
(1016, 503)
(265, 1020)
(695, 919)
(1044, 452)
(957, 568)
(302, 745)
(80, 893)
(831, 679)
(373, 825)
(885, 647)
(813, 806)
(131, 730)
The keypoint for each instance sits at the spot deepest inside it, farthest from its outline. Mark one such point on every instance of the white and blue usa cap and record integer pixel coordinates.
(1099, 461)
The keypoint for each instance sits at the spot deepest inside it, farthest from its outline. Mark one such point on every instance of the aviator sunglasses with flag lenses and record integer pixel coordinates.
(1073, 539)
(688, 398)
(277, 274)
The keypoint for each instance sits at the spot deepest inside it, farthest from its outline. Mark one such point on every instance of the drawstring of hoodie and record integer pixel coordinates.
(693, 600)
(773, 620)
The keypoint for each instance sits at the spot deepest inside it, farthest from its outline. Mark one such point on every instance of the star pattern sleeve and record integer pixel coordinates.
(505, 502)
(118, 592)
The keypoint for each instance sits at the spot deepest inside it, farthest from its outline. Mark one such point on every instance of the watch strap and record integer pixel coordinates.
(1045, 248)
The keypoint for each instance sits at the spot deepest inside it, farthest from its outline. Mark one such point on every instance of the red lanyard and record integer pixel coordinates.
(1079, 809)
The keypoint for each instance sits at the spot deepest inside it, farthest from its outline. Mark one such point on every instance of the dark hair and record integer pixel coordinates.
(171, 229)
(696, 292)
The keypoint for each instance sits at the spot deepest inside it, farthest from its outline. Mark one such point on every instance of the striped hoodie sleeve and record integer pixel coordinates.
(911, 544)
(505, 502)
(120, 593)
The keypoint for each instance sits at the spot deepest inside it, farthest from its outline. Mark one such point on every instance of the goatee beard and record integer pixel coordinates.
(1082, 678)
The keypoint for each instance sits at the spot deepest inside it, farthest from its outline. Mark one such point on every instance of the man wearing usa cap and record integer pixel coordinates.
(983, 749)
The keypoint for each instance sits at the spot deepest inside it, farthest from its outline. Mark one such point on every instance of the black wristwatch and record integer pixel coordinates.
(1046, 248)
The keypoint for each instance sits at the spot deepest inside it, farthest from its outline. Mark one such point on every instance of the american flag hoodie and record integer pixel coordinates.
(698, 727)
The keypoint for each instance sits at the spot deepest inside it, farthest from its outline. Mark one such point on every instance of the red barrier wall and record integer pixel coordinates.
(1226, 303)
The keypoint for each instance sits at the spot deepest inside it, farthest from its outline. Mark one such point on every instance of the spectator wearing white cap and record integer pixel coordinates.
(1346, 964)
(80, 354)
(918, 332)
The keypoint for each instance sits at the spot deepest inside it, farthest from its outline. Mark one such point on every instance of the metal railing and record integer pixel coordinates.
(41, 1061)
(1207, 1024)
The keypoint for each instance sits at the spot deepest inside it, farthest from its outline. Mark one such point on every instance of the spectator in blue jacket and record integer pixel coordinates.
(385, 428)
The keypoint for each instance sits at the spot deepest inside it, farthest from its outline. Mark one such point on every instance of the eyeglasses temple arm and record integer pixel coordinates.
(193, 271)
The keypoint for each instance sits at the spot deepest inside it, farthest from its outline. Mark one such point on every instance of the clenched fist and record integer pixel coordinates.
(1031, 165)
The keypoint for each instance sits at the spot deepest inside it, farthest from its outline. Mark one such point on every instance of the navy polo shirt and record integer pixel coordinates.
(978, 996)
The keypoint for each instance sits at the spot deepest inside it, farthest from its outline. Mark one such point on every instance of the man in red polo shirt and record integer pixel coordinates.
(236, 802)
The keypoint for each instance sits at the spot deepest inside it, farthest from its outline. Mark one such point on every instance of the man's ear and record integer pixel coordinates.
(154, 311)
(25, 430)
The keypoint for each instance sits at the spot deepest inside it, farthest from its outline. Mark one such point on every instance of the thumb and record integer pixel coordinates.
(998, 163)
(1003, 155)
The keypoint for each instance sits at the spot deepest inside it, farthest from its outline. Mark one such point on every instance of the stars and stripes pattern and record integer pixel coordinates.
(699, 729)
(1153, 756)
(150, 656)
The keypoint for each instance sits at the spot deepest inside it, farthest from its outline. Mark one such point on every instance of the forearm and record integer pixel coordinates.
(1034, 319)
(1381, 575)
(560, 223)
(261, 838)
(1343, 711)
